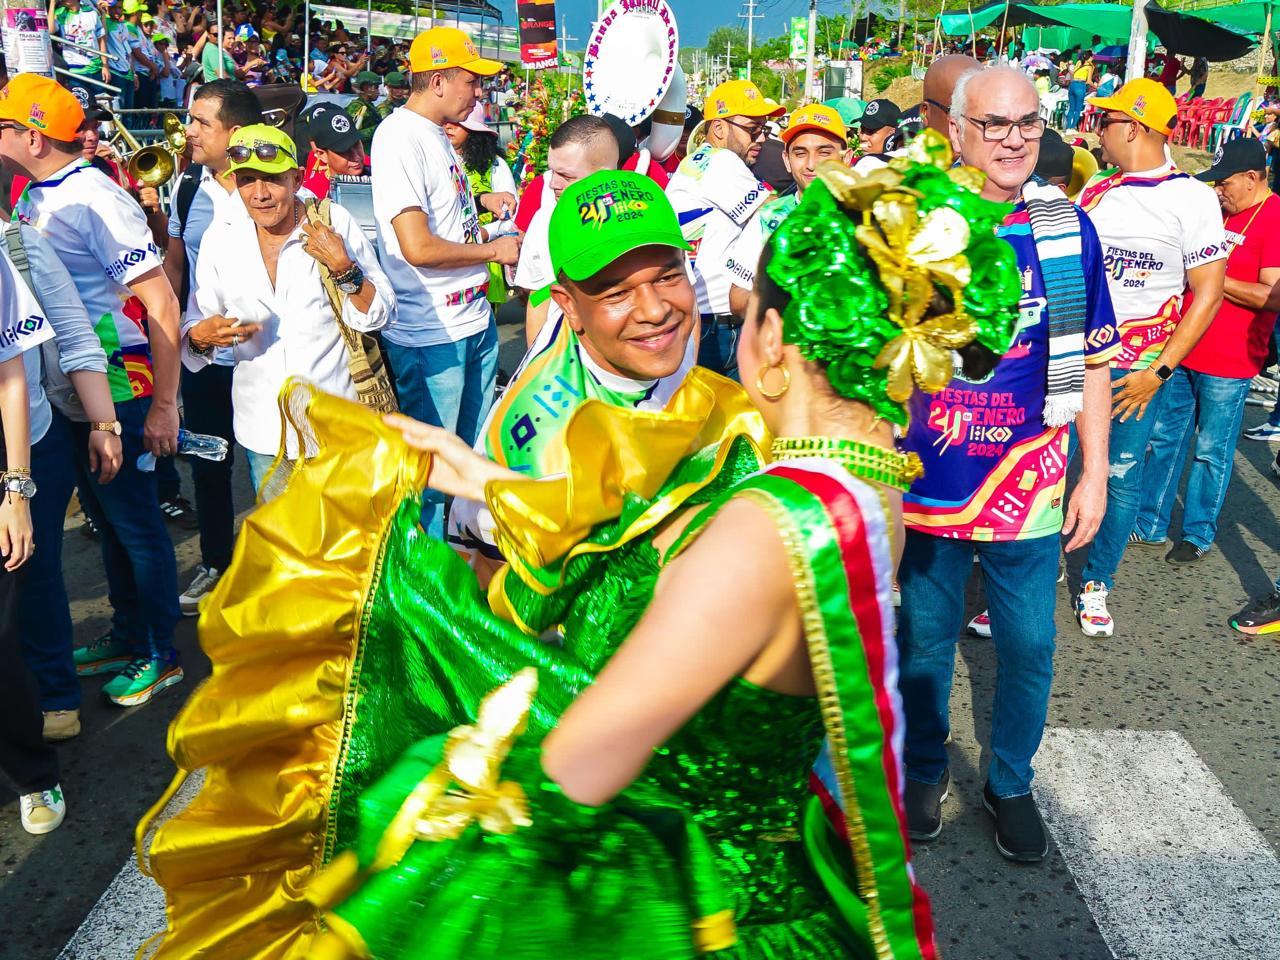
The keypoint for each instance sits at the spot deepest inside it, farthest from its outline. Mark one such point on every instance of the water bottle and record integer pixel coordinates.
(193, 445)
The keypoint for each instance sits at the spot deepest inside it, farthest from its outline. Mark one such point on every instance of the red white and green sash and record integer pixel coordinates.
(837, 533)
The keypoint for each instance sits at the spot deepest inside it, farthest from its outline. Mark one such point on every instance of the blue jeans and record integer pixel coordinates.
(1075, 104)
(1127, 451)
(1020, 577)
(718, 347)
(44, 615)
(142, 575)
(1274, 419)
(1211, 408)
(124, 99)
(259, 464)
(449, 385)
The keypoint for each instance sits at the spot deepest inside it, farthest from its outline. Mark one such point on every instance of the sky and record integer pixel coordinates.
(696, 18)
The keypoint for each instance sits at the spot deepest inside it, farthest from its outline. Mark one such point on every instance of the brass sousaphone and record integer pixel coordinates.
(151, 166)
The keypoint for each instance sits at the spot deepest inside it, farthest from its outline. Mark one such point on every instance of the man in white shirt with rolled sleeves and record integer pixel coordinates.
(443, 344)
(259, 291)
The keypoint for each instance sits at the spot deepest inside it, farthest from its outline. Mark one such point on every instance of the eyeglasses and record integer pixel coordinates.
(1104, 122)
(266, 152)
(945, 108)
(12, 126)
(755, 131)
(998, 129)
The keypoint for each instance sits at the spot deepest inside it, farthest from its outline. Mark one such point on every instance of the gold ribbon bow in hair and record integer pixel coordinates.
(914, 255)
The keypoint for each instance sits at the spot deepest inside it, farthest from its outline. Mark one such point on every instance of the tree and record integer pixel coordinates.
(720, 38)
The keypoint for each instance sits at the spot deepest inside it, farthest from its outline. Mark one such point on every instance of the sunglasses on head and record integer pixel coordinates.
(265, 152)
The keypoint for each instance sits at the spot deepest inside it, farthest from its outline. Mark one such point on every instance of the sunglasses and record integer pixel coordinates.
(755, 130)
(266, 152)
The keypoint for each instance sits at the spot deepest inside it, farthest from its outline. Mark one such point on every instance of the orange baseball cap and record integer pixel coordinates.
(818, 117)
(1144, 100)
(41, 103)
(443, 47)
(739, 98)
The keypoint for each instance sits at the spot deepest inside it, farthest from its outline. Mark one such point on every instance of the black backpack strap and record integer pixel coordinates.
(187, 188)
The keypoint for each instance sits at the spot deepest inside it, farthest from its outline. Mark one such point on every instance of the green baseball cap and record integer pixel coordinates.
(397, 80)
(606, 215)
(367, 77)
(263, 148)
(849, 108)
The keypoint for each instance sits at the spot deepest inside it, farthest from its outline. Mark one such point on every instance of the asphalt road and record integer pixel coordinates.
(1158, 776)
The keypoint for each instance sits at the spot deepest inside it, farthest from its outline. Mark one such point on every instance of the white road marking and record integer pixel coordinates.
(131, 909)
(1167, 863)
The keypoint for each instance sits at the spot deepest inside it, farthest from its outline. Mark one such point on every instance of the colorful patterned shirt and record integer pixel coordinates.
(993, 470)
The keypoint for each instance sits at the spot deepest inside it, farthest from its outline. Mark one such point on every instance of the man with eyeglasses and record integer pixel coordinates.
(1162, 234)
(815, 134)
(995, 459)
(715, 195)
(939, 82)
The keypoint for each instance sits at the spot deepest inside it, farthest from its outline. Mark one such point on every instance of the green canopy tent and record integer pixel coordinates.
(1182, 33)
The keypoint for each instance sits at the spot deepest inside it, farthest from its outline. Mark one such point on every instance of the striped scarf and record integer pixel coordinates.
(1056, 232)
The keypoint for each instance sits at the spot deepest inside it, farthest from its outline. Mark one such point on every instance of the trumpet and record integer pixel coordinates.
(151, 166)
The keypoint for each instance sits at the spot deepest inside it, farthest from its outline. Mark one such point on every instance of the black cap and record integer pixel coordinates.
(330, 128)
(1236, 156)
(878, 115)
(1056, 156)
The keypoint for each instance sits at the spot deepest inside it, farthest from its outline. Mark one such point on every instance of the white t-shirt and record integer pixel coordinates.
(101, 235)
(414, 165)
(209, 204)
(120, 46)
(85, 28)
(1154, 226)
(714, 194)
(534, 270)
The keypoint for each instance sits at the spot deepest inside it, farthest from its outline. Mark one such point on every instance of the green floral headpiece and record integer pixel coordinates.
(863, 256)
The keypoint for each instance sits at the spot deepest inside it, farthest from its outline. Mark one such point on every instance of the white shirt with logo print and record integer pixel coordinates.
(415, 166)
(715, 195)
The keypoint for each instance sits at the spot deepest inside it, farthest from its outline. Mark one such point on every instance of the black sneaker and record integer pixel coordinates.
(1020, 833)
(1186, 552)
(178, 511)
(1259, 617)
(923, 804)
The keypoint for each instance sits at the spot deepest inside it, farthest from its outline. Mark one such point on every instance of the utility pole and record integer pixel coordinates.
(808, 57)
(751, 17)
(1137, 64)
(562, 42)
(728, 60)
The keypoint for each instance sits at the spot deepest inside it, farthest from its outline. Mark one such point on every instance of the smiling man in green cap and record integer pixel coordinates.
(619, 330)
(363, 113)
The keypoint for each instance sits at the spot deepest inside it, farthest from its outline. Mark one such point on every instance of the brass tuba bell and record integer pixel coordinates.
(152, 166)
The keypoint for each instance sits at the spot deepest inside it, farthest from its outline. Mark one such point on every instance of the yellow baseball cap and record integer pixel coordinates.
(816, 116)
(443, 47)
(1146, 101)
(263, 148)
(739, 98)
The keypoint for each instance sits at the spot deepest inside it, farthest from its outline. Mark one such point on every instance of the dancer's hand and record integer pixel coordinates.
(456, 469)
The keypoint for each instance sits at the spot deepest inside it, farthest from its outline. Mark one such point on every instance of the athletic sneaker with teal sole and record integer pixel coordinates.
(107, 654)
(1260, 617)
(142, 679)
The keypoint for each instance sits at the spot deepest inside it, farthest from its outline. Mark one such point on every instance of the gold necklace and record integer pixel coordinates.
(866, 460)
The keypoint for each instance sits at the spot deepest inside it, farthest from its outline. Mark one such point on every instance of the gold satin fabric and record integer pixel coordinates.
(282, 630)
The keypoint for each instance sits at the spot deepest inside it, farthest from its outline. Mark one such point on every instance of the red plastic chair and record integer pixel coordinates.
(1187, 108)
(1197, 121)
(1219, 114)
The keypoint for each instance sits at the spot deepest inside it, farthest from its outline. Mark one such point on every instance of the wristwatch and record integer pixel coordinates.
(106, 426)
(19, 482)
(351, 281)
(1162, 372)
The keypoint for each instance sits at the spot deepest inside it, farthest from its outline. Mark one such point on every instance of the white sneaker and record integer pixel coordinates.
(980, 626)
(43, 811)
(206, 579)
(1091, 611)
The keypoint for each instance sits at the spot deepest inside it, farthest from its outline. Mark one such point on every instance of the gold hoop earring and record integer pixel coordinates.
(786, 381)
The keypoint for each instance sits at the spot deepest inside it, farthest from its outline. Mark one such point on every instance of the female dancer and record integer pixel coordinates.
(663, 815)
